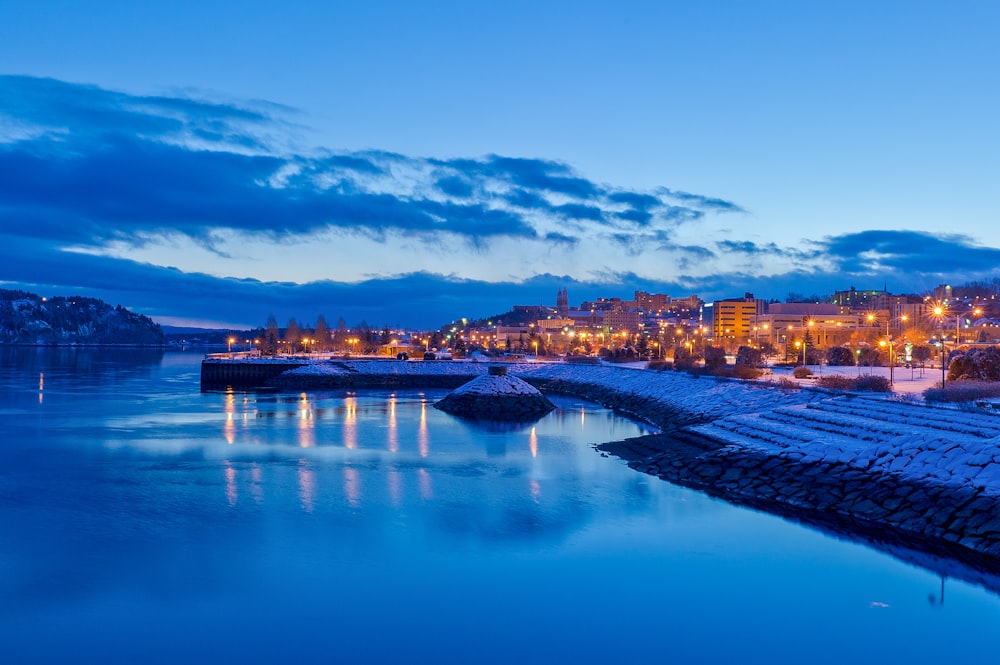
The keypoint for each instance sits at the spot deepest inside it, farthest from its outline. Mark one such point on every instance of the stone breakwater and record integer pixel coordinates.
(914, 472)
(867, 463)
(496, 396)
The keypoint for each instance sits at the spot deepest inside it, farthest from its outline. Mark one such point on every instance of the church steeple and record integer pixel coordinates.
(562, 302)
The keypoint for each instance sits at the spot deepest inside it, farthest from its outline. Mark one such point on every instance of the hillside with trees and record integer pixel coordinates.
(26, 318)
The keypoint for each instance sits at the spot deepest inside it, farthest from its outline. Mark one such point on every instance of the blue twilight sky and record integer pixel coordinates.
(411, 163)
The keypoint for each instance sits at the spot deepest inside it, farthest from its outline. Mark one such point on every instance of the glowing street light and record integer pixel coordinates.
(939, 313)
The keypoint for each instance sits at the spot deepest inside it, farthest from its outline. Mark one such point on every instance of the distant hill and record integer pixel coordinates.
(26, 318)
(188, 336)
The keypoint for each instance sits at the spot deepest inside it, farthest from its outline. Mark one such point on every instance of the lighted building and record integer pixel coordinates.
(553, 325)
(652, 302)
(854, 299)
(733, 319)
(622, 320)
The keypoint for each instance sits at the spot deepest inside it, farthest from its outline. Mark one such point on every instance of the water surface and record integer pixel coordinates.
(144, 521)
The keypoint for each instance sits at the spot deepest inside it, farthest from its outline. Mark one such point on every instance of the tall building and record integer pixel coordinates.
(733, 319)
(621, 319)
(652, 302)
(943, 293)
(855, 300)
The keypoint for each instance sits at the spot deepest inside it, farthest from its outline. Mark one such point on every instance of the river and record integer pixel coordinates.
(142, 521)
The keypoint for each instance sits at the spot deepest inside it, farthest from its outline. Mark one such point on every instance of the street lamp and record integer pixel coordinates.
(939, 313)
(883, 344)
(888, 342)
(231, 340)
(976, 312)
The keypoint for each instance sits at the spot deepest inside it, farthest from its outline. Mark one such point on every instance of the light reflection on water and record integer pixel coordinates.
(138, 513)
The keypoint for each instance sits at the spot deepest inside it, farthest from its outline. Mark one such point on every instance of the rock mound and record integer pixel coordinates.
(496, 396)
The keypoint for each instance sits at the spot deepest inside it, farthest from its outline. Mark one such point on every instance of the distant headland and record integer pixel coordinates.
(30, 319)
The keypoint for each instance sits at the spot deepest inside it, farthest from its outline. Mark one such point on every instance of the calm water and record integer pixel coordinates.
(144, 522)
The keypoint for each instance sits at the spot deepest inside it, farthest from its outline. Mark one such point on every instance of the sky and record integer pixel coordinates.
(409, 164)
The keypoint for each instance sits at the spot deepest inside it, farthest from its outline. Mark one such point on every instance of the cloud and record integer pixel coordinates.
(879, 251)
(101, 165)
(753, 249)
(422, 299)
(95, 178)
(704, 203)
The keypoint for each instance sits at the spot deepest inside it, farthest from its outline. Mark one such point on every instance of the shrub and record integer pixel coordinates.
(975, 364)
(963, 391)
(839, 356)
(802, 372)
(683, 358)
(715, 358)
(749, 356)
(870, 357)
(836, 382)
(659, 365)
(787, 384)
(872, 384)
(747, 372)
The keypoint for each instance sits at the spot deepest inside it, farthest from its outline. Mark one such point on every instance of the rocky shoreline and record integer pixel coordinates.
(921, 476)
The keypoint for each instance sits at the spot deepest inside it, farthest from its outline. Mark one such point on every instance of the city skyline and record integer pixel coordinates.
(405, 167)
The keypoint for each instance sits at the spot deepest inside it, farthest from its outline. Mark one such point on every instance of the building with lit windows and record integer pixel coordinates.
(733, 319)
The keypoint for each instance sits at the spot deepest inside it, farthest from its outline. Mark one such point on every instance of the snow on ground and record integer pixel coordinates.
(904, 380)
(496, 386)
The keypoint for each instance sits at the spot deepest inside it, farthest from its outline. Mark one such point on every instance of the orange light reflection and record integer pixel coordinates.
(352, 486)
(307, 486)
(307, 432)
(351, 422)
(395, 480)
(232, 494)
(425, 484)
(257, 476)
(393, 428)
(423, 436)
(536, 490)
(229, 429)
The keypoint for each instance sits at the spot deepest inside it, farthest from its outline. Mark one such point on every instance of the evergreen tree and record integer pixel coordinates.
(292, 336)
(269, 340)
(322, 335)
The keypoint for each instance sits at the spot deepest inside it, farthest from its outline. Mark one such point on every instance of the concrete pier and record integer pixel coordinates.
(222, 373)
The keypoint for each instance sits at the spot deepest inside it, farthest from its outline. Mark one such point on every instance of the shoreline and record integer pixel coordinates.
(924, 477)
